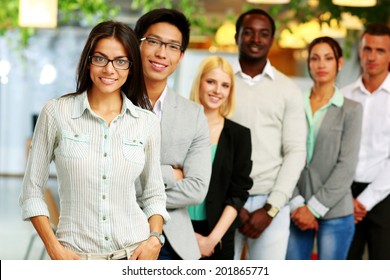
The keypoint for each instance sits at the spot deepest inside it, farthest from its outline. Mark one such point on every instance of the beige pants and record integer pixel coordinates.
(116, 255)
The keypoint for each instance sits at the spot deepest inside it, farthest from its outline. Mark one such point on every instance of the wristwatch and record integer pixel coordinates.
(160, 237)
(272, 211)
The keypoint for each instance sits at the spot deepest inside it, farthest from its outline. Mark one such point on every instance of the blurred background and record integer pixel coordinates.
(41, 41)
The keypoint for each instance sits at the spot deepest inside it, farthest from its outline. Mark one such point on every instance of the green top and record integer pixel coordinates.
(198, 212)
(314, 121)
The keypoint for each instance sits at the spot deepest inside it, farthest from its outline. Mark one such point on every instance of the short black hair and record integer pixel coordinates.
(255, 12)
(171, 16)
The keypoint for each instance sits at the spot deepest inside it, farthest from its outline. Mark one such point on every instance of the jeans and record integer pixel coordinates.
(272, 243)
(334, 237)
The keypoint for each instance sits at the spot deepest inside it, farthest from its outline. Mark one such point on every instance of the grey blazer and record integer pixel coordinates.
(185, 143)
(330, 173)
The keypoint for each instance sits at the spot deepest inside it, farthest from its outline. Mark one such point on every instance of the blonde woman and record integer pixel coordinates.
(214, 220)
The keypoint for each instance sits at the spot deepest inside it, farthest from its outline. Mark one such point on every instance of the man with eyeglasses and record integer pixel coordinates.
(185, 141)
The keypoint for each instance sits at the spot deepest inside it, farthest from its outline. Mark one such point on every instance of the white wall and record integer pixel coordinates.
(24, 95)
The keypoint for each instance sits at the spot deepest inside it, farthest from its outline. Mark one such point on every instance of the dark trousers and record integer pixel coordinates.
(373, 230)
(167, 252)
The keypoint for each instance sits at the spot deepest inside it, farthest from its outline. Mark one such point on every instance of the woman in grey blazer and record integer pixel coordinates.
(214, 220)
(322, 206)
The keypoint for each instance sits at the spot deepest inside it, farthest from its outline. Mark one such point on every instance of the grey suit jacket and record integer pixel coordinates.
(185, 143)
(330, 173)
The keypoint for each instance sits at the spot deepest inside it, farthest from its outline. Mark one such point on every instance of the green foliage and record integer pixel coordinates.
(301, 11)
(200, 24)
(70, 12)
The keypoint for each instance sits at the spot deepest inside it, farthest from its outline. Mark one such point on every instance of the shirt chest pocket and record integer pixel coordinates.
(73, 145)
(133, 151)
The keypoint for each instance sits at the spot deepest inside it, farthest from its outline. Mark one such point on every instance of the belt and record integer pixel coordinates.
(116, 255)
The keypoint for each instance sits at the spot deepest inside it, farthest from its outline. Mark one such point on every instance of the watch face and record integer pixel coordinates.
(162, 239)
(273, 212)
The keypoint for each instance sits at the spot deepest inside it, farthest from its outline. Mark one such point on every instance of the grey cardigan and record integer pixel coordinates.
(329, 175)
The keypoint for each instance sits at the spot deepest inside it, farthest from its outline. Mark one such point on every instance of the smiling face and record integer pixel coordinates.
(107, 79)
(159, 62)
(214, 89)
(254, 38)
(323, 64)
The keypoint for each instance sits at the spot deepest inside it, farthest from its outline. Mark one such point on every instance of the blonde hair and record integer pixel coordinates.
(210, 63)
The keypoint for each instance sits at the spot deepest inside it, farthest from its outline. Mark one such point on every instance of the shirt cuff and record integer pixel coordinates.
(317, 207)
(370, 198)
(296, 202)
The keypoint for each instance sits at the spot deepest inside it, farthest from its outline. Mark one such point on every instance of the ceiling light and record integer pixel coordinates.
(355, 3)
(38, 13)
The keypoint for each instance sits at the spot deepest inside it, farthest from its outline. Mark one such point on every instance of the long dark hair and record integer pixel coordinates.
(134, 87)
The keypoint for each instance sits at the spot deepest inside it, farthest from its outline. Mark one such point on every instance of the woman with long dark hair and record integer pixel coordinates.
(101, 139)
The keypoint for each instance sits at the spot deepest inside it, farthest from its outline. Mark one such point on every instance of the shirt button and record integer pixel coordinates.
(105, 154)
(104, 177)
(105, 136)
(104, 218)
(103, 196)
(76, 135)
(106, 238)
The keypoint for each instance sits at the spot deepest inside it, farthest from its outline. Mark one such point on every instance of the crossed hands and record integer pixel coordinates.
(304, 219)
(253, 224)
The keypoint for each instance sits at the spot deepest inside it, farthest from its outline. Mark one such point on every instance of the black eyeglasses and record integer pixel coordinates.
(155, 43)
(120, 64)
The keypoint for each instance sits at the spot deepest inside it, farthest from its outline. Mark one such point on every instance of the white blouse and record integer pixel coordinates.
(97, 166)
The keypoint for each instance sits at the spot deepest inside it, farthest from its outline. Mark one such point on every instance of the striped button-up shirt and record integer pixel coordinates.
(96, 166)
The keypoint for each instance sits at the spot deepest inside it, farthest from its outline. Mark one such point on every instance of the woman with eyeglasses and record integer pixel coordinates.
(215, 220)
(321, 207)
(101, 139)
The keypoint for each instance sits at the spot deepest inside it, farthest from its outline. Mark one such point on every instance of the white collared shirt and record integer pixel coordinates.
(158, 106)
(97, 166)
(374, 156)
(268, 71)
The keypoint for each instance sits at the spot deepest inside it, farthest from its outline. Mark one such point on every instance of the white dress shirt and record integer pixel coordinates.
(159, 105)
(96, 168)
(374, 156)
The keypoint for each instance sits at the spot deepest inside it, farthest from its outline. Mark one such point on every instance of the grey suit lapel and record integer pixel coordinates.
(167, 119)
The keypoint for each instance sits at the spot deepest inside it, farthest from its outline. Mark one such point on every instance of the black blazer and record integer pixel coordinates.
(230, 176)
